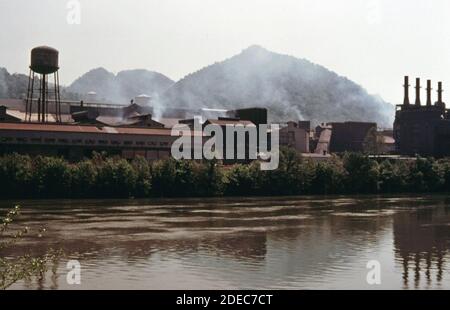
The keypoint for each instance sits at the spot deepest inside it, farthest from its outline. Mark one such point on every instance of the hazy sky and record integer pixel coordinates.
(373, 42)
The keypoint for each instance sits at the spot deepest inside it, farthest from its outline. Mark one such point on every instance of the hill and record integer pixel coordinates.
(123, 87)
(289, 87)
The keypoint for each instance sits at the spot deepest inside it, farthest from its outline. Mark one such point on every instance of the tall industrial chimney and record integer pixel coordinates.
(406, 87)
(418, 91)
(429, 93)
(439, 91)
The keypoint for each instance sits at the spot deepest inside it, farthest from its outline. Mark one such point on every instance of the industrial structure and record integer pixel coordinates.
(296, 135)
(422, 129)
(44, 124)
(74, 141)
(353, 137)
(40, 95)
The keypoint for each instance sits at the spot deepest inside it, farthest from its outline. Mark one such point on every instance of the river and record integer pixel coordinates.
(243, 243)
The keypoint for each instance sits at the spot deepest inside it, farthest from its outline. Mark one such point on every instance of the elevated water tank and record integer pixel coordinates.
(142, 99)
(44, 60)
(92, 96)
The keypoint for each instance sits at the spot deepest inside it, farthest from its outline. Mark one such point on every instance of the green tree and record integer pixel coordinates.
(329, 176)
(84, 179)
(240, 181)
(116, 178)
(425, 176)
(15, 175)
(51, 177)
(143, 185)
(209, 178)
(362, 174)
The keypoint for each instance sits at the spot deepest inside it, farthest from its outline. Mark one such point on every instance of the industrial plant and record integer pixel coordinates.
(422, 129)
(42, 123)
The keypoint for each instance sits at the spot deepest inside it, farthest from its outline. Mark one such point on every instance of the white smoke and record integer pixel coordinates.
(4, 90)
(290, 88)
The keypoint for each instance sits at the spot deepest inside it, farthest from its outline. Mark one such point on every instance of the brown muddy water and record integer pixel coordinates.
(243, 243)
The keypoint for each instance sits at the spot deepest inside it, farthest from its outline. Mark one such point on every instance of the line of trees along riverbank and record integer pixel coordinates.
(22, 176)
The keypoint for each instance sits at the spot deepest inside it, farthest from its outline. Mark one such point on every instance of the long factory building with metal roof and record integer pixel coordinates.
(78, 141)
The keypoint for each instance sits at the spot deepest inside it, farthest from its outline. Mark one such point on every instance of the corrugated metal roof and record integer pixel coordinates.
(223, 122)
(82, 129)
(17, 104)
(323, 145)
(169, 122)
(86, 129)
(110, 120)
(34, 116)
(120, 121)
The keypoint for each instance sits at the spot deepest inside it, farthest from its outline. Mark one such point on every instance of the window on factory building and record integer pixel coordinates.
(6, 139)
(50, 140)
(102, 142)
(152, 143)
(128, 142)
(164, 143)
(36, 140)
(63, 141)
(89, 141)
(77, 141)
(21, 139)
(140, 143)
(115, 142)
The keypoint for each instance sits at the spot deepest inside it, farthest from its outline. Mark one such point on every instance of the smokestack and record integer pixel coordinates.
(440, 91)
(429, 93)
(406, 87)
(418, 91)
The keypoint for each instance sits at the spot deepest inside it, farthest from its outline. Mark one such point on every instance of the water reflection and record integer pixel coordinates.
(421, 239)
(296, 243)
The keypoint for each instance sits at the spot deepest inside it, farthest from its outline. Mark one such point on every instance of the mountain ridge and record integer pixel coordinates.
(289, 87)
(121, 87)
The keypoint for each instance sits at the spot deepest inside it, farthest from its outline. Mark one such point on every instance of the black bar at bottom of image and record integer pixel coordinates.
(221, 299)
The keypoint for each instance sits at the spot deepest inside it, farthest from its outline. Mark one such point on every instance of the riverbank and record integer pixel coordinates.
(26, 177)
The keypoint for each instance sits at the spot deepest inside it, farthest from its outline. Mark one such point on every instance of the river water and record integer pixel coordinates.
(243, 243)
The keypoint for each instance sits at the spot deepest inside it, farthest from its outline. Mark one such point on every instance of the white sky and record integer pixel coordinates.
(373, 42)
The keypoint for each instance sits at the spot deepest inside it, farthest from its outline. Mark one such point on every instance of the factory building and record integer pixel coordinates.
(296, 136)
(345, 137)
(422, 129)
(257, 116)
(77, 141)
(320, 143)
(223, 122)
(353, 137)
(44, 124)
(127, 131)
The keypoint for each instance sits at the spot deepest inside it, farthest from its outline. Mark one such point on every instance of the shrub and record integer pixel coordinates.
(116, 178)
(329, 177)
(84, 179)
(143, 185)
(362, 174)
(15, 175)
(51, 177)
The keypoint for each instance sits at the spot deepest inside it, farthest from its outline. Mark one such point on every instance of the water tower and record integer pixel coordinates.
(41, 94)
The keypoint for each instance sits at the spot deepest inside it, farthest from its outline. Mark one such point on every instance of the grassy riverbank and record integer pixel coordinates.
(23, 176)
